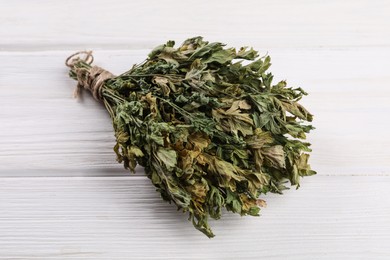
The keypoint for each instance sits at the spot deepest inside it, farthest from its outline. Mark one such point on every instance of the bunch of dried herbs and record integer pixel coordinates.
(211, 131)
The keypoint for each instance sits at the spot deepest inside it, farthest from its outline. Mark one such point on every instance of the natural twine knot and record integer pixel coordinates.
(90, 78)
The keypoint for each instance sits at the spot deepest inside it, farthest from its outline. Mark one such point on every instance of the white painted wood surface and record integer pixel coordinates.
(63, 196)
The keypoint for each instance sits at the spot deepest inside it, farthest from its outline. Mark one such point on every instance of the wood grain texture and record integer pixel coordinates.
(45, 24)
(62, 194)
(124, 218)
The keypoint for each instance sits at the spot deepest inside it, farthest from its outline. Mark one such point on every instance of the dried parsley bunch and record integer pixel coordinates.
(211, 132)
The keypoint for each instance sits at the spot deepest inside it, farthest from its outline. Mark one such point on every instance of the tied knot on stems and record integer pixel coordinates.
(89, 77)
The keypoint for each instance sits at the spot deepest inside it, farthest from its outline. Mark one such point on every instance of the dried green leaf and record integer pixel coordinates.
(211, 130)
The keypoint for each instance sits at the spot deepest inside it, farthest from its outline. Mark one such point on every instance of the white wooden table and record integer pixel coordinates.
(63, 196)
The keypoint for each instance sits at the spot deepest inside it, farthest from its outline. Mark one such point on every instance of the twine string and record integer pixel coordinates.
(89, 78)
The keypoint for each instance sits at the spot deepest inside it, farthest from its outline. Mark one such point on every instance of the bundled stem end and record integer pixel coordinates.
(211, 132)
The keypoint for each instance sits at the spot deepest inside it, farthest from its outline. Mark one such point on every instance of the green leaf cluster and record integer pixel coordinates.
(209, 126)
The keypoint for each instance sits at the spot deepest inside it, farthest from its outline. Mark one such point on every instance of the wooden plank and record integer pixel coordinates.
(43, 24)
(122, 217)
(45, 132)
(63, 196)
